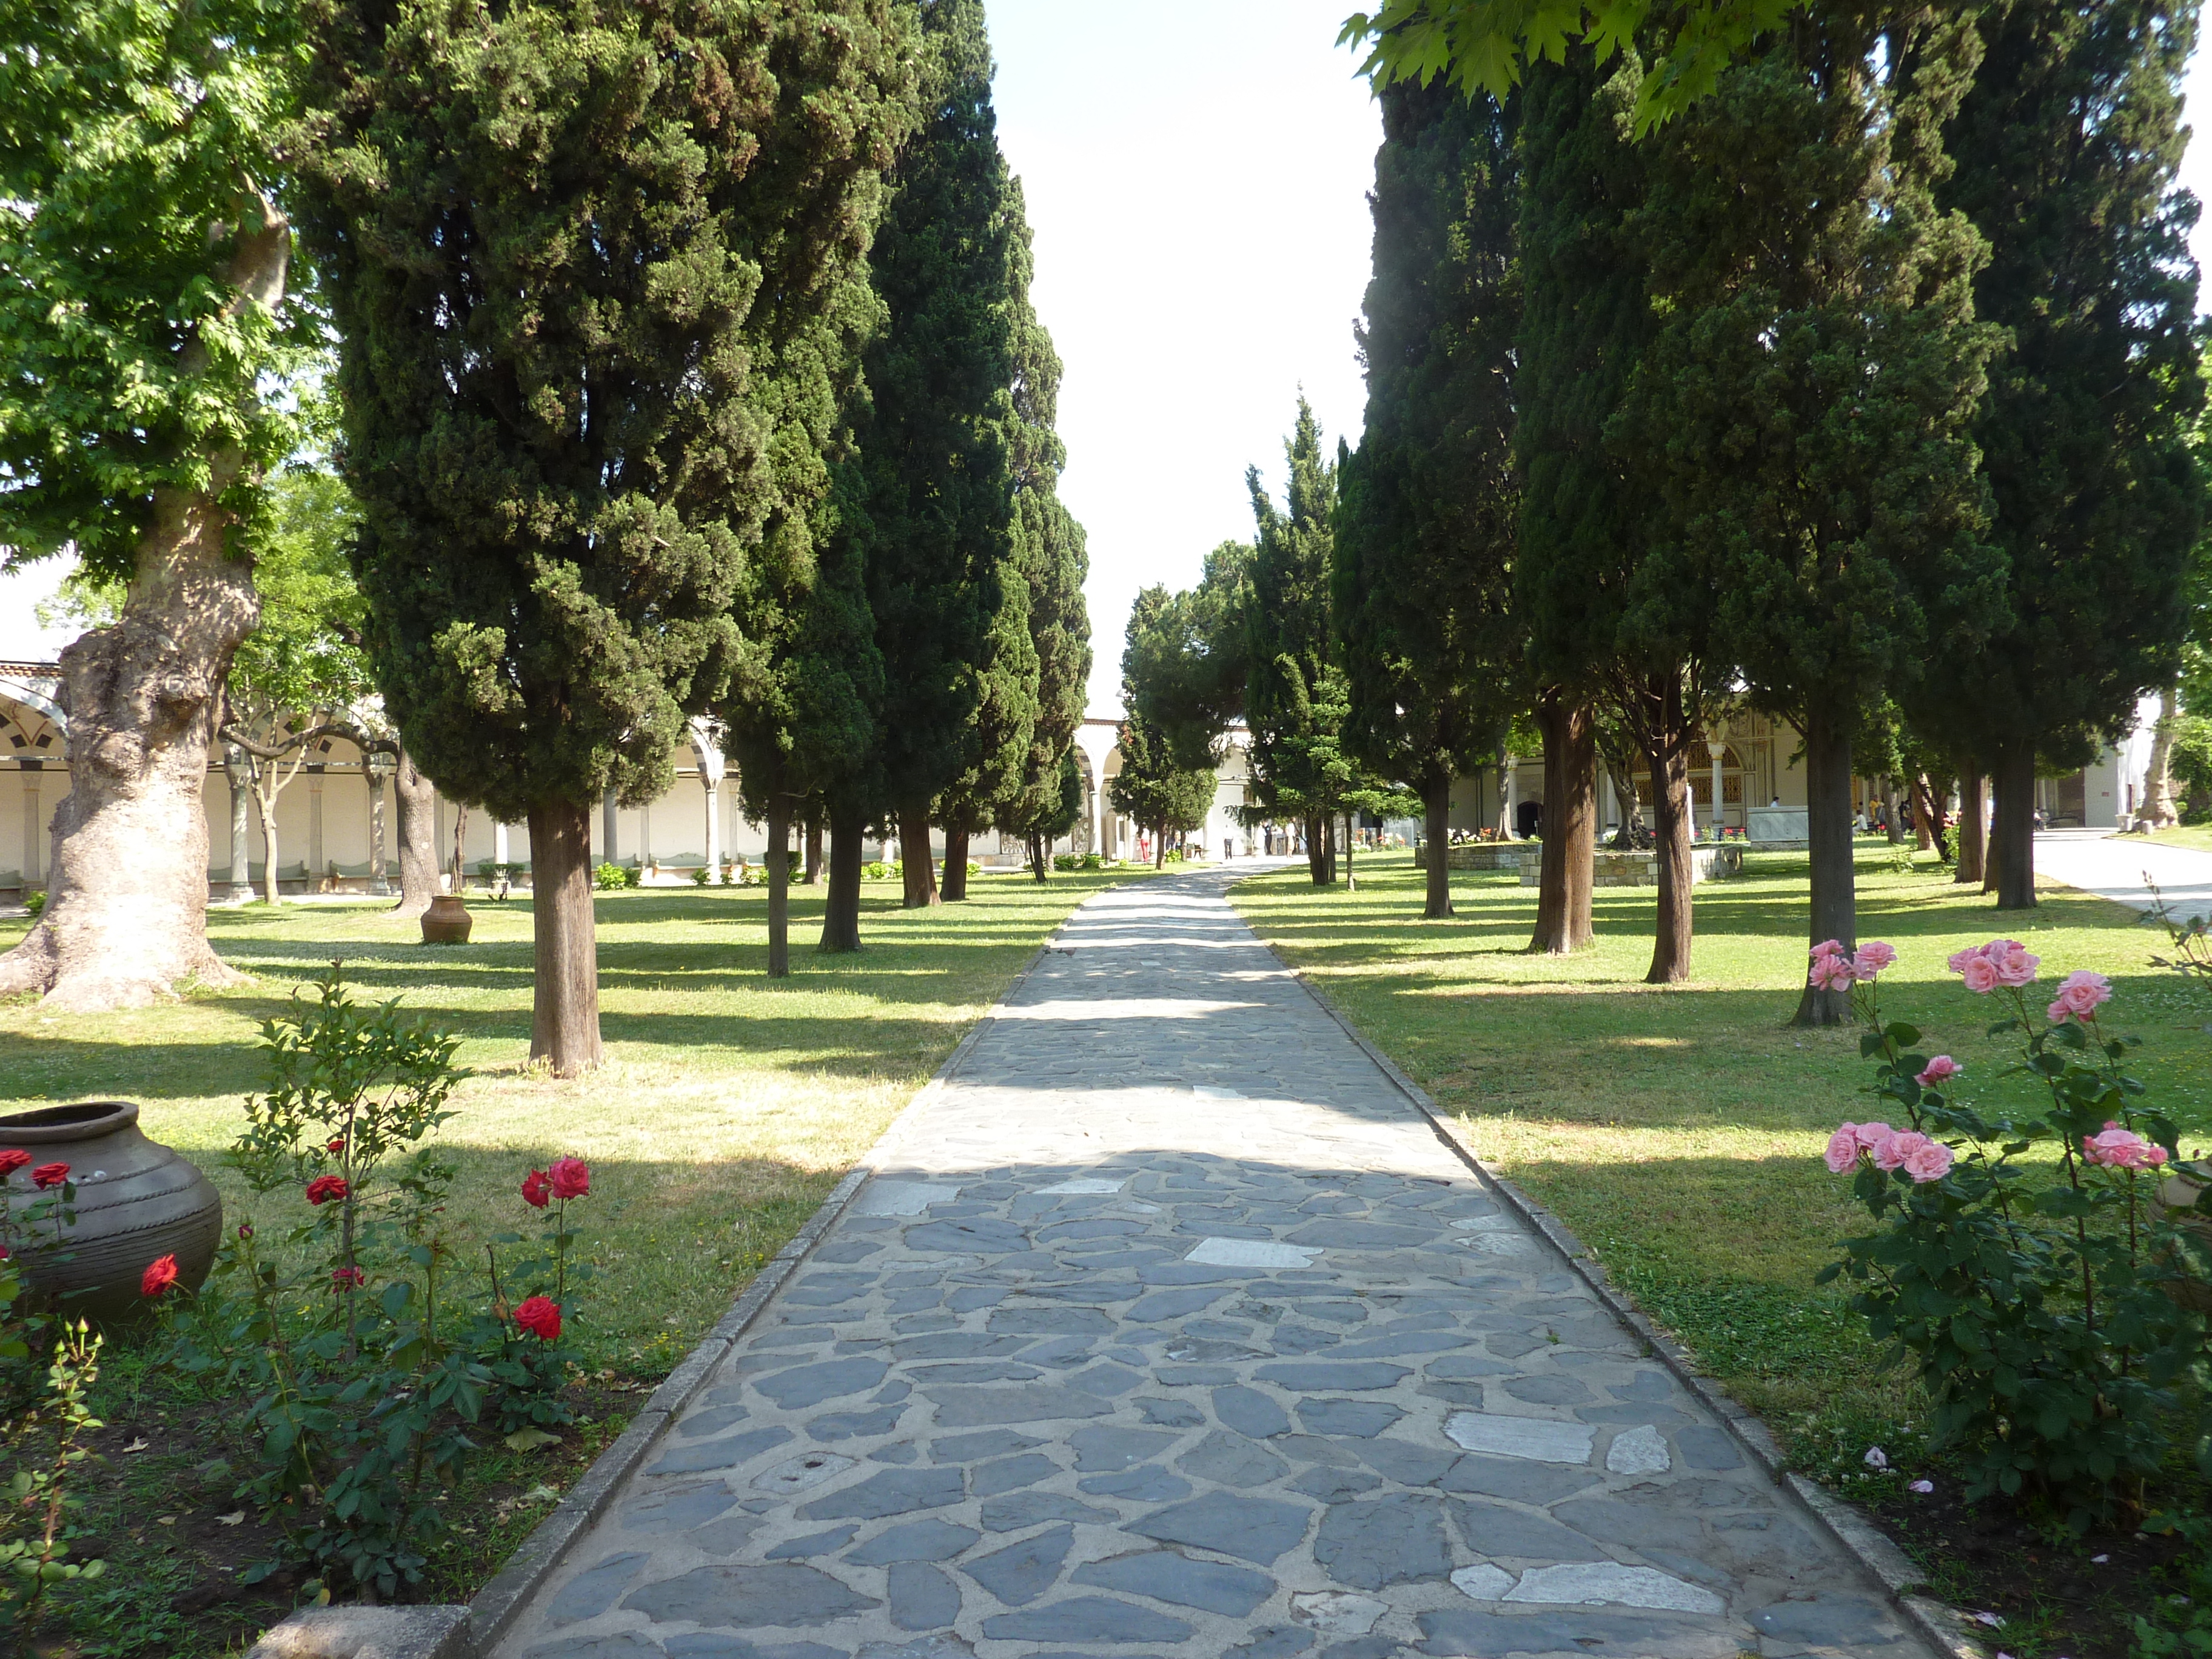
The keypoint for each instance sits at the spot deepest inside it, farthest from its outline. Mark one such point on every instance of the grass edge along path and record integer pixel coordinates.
(1677, 1133)
(730, 1107)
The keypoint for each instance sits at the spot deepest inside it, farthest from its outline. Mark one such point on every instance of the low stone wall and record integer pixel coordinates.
(1612, 869)
(1478, 854)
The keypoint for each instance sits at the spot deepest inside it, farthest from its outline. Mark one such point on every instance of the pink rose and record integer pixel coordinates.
(2121, 1148)
(1875, 955)
(2014, 964)
(1831, 974)
(1897, 1146)
(1980, 975)
(1929, 1161)
(2080, 996)
(1842, 1149)
(1871, 1135)
(1828, 947)
(1959, 959)
(1941, 1069)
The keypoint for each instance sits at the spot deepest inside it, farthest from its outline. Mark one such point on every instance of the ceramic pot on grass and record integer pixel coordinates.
(448, 921)
(136, 1200)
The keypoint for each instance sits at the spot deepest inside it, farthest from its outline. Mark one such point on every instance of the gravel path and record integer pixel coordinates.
(1169, 1326)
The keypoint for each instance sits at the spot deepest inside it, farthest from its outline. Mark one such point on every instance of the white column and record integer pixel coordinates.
(34, 834)
(1720, 815)
(1506, 813)
(499, 845)
(315, 831)
(707, 744)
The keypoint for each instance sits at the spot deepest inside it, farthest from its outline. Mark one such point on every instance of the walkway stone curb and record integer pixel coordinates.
(1852, 1531)
(446, 1631)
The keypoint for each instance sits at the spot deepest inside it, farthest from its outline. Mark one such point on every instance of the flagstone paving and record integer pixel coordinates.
(1168, 1326)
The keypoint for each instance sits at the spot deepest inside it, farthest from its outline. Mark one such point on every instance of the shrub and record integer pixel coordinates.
(703, 876)
(34, 901)
(875, 870)
(1092, 862)
(2036, 1298)
(367, 1351)
(1067, 861)
(608, 876)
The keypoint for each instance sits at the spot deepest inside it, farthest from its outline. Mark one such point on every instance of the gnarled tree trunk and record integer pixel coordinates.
(415, 810)
(1829, 834)
(1436, 827)
(1973, 827)
(955, 886)
(1565, 874)
(918, 872)
(126, 898)
(841, 912)
(778, 886)
(564, 1020)
(1926, 826)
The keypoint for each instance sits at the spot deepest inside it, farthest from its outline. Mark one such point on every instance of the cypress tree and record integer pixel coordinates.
(1151, 789)
(1425, 525)
(1803, 409)
(1610, 614)
(2065, 153)
(1184, 659)
(938, 452)
(584, 259)
(1295, 698)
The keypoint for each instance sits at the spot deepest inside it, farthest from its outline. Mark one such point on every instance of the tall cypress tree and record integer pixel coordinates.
(2065, 153)
(1296, 699)
(1803, 411)
(585, 258)
(1425, 525)
(1053, 564)
(1612, 610)
(938, 455)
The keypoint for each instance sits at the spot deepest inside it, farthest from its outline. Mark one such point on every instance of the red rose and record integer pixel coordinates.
(571, 1177)
(12, 1158)
(537, 1189)
(323, 1189)
(338, 1145)
(245, 1229)
(49, 1175)
(346, 1278)
(541, 1316)
(161, 1273)
(5, 1252)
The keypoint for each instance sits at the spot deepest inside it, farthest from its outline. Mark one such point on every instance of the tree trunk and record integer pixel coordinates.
(1316, 853)
(916, 867)
(1890, 826)
(1351, 839)
(415, 808)
(1159, 846)
(1040, 857)
(1828, 834)
(813, 874)
(1927, 820)
(1973, 827)
(1625, 795)
(779, 885)
(2015, 825)
(127, 894)
(564, 1020)
(2156, 810)
(267, 810)
(955, 887)
(1329, 849)
(1563, 893)
(1435, 812)
(1671, 824)
(841, 912)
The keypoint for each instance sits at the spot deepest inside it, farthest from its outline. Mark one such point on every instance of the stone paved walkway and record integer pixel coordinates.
(1170, 1327)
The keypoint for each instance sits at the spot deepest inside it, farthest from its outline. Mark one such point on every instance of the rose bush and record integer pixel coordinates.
(2018, 1257)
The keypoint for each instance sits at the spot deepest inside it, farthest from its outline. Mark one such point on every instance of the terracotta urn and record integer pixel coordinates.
(448, 921)
(136, 1200)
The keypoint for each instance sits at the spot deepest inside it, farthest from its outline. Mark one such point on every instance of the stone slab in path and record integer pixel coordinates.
(1168, 1326)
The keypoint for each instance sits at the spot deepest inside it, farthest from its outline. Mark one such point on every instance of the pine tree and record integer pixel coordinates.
(1802, 412)
(1183, 661)
(585, 258)
(938, 453)
(1425, 525)
(2065, 153)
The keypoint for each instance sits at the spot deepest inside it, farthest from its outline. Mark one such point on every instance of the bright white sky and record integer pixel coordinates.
(1196, 173)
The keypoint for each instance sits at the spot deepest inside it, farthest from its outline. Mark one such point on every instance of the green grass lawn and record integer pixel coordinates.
(728, 1107)
(1678, 1131)
(2196, 837)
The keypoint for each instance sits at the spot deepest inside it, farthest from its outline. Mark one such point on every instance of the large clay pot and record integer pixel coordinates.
(136, 1200)
(448, 921)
